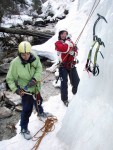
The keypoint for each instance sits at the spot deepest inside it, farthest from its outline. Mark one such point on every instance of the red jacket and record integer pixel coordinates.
(63, 50)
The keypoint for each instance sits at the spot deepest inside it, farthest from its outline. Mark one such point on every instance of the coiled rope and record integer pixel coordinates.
(49, 126)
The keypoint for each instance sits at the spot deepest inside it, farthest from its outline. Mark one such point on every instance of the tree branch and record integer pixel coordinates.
(39, 34)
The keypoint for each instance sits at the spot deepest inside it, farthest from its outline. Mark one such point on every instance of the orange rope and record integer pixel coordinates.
(49, 126)
(50, 121)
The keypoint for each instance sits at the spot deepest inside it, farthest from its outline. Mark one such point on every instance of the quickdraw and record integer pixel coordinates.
(93, 66)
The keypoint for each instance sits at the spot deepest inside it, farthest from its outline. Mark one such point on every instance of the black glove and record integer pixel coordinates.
(76, 46)
(20, 92)
(32, 82)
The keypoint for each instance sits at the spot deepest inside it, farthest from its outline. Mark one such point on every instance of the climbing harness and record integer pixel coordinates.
(93, 66)
(95, 5)
(50, 121)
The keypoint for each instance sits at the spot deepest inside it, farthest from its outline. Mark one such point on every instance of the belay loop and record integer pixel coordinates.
(96, 41)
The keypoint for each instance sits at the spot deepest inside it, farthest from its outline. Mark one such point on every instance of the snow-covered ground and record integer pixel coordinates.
(9, 20)
(88, 122)
(50, 141)
(14, 20)
(57, 7)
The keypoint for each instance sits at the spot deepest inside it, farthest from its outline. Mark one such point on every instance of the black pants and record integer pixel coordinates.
(27, 104)
(74, 79)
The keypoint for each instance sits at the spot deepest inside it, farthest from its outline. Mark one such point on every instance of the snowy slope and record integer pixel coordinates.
(25, 14)
(50, 141)
(57, 7)
(88, 122)
(90, 114)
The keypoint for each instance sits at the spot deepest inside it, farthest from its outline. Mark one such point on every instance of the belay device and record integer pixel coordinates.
(93, 66)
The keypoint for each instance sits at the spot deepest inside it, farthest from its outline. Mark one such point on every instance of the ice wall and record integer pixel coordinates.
(88, 123)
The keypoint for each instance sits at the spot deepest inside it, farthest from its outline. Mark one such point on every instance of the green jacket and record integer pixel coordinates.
(20, 74)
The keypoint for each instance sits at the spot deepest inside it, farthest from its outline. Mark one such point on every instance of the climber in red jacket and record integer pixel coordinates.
(67, 52)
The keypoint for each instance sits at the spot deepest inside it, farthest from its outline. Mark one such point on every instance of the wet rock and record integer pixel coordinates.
(49, 20)
(12, 99)
(4, 68)
(40, 22)
(61, 17)
(11, 126)
(18, 108)
(39, 10)
(28, 22)
(47, 63)
(2, 88)
(1, 96)
(7, 60)
(34, 16)
(2, 54)
(51, 14)
(2, 103)
(5, 112)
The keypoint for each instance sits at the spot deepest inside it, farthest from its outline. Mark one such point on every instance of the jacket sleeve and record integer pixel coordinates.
(11, 77)
(38, 72)
(61, 47)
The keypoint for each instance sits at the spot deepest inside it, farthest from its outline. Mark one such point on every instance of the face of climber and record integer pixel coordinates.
(63, 35)
(25, 56)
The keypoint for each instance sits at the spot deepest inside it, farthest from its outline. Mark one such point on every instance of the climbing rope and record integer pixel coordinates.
(49, 126)
(95, 4)
(89, 17)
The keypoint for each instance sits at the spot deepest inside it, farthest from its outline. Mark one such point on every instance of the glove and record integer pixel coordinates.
(68, 36)
(20, 92)
(32, 82)
(76, 46)
(69, 43)
(26, 88)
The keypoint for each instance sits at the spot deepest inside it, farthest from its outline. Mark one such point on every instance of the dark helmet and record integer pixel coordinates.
(60, 32)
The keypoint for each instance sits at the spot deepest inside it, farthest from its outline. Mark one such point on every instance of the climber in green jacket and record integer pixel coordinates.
(24, 78)
(24, 68)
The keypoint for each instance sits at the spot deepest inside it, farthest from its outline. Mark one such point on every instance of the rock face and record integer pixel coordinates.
(4, 68)
(2, 87)
(27, 22)
(7, 60)
(18, 108)
(40, 22)
(5, 112)
(12, 99)
(2, 54)
(1, 95)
